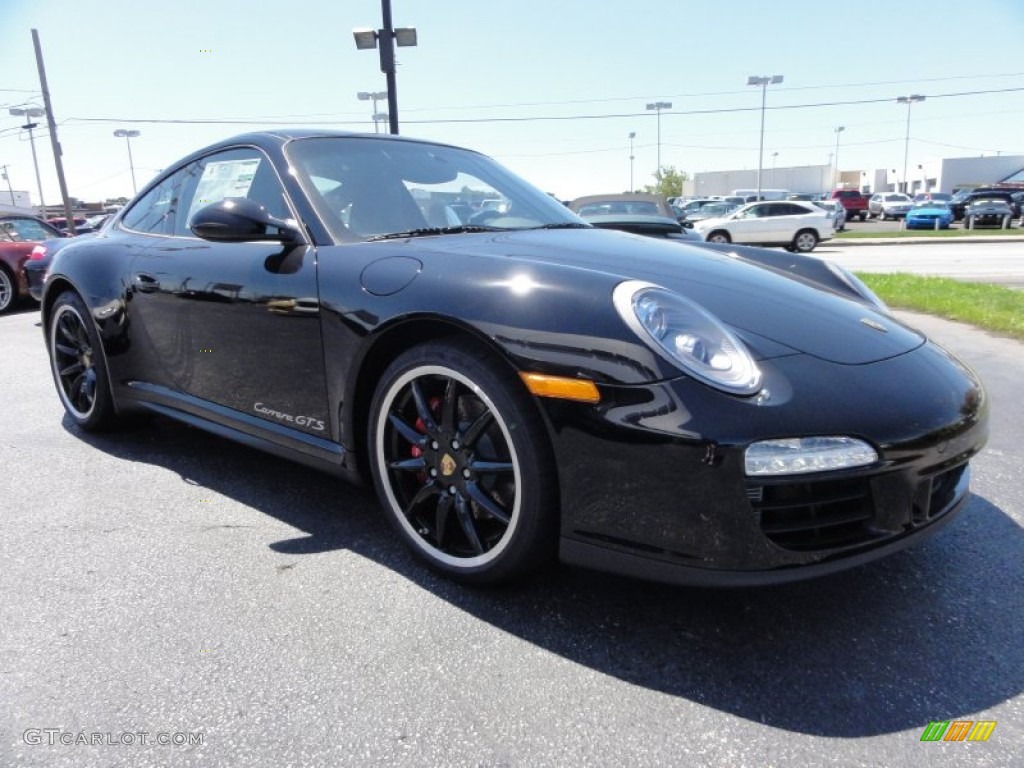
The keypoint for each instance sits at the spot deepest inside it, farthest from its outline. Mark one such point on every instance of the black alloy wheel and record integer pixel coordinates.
(719, 236)
(78, 365)
(8, 290)
(462, 463)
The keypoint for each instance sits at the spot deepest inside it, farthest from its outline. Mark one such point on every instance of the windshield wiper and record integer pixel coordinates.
(565, 225)
(427, 231)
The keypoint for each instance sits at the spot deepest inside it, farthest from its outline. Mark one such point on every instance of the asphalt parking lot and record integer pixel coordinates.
(165, 581)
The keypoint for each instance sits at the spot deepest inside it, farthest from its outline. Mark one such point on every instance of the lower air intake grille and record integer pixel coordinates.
(821, 515)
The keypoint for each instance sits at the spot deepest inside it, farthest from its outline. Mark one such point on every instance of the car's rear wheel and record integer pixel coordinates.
(863, 216)
(719, 236)
(78, 365)
(8, 290)
(805, 241)
(462, 463)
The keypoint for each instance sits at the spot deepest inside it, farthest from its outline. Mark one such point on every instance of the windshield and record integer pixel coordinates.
(897, 198)
(930, 204)
(366, 187)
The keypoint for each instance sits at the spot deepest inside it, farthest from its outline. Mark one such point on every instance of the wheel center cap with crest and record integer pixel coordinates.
(447, 465)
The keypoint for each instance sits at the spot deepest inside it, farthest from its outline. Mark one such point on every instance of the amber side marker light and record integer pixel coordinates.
(559, 386)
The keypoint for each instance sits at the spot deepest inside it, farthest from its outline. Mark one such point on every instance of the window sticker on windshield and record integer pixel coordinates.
(224, 178)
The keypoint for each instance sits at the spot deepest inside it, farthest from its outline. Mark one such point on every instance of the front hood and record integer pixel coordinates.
(744, 295)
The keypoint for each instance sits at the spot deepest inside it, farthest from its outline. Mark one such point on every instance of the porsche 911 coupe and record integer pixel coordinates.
(519, 386)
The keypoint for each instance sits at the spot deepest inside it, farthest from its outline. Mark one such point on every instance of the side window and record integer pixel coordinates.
(243, 172)
(21, 230)
(156, 211)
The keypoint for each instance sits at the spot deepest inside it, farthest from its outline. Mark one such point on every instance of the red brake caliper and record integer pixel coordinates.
(415, 451)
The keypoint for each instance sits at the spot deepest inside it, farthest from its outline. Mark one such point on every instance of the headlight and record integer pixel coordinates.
(800, 455)
(688, 336)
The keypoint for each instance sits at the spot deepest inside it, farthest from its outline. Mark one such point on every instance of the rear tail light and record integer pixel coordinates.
(39, 252)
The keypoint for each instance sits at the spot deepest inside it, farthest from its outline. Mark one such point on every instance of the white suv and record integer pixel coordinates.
(795, 225)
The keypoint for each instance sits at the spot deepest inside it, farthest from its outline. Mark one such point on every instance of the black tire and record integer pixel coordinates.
(462, 464)
(78, 364)
(881, 215)
(8, 290)
(863, 216)
(719, 236)
(805, 241)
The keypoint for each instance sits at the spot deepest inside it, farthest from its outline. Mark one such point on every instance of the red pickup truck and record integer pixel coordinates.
(853, 201)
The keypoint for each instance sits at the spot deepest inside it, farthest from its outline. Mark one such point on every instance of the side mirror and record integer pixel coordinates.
(239, 220)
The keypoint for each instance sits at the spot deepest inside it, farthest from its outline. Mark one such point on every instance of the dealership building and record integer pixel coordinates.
(932, 175)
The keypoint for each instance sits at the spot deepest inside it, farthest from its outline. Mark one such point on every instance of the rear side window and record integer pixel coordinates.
(154, 212)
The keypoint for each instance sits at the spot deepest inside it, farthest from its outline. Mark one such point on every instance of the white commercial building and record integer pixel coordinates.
(931, 175)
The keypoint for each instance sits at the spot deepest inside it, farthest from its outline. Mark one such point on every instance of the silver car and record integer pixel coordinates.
(837, 210)
(889, 205)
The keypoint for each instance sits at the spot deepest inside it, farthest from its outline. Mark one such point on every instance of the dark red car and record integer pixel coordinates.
(18, 236)
(854, 202)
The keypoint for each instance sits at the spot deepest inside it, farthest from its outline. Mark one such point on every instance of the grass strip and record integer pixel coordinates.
(941, 233)
(992, 307)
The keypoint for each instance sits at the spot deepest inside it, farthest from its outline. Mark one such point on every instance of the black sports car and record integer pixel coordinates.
(521, 384)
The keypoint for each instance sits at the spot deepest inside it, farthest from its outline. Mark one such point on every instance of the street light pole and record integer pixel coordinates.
(388, 37)
(123, 133)
(29, 125)
(632, 135)
(909, 101)
(835, 168)
(774, 156)
(373, 96)
(7, 178)
(763, 81)
(657, 106)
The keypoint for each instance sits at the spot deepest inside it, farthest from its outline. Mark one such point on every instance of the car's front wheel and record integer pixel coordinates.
(881, 215)
(78, 365)
(719, 236)
(462, 463)
(8, 290)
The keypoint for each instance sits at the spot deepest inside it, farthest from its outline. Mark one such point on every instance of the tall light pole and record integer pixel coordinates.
(763, 81)
(657, 106)
(388, 37)
(27, 113)
(835, 168)
(909, 101)
(373, 96)
(774, 156)
(632, 135)
(124, 133)
(7, 178)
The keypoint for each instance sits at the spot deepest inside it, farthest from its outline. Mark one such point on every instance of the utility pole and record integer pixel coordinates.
(52, 124)
(8, 180)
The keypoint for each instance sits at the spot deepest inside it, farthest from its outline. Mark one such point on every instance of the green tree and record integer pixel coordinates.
(668, 182)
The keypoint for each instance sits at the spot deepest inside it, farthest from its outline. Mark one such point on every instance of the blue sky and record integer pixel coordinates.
(550, 88)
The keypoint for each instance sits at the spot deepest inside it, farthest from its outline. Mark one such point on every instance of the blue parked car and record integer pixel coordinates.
(924, 215)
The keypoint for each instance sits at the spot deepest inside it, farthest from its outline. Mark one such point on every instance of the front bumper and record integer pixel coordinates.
(653, 484)
(927, 222)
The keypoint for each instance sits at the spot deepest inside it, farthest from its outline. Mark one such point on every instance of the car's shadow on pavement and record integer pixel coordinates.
(931, 633)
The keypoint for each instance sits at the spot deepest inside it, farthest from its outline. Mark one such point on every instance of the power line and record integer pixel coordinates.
(535, 118)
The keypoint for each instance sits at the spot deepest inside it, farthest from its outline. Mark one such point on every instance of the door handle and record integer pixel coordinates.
(146, 283)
